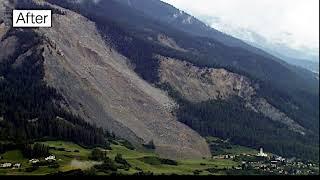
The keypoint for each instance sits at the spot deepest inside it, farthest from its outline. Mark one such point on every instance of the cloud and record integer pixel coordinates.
(273, 18)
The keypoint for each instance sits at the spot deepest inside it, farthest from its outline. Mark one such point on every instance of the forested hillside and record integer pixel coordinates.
(287, 89)
(31, 110)
(28, 108)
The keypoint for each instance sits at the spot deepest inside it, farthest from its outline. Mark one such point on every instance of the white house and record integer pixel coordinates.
(6, 165)
(33, 161)
(280, 159)
(50, 158)
(17, 166)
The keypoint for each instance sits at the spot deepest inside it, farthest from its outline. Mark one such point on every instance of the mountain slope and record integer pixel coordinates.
(184, 22)
(98, 84)
(180, 20)
(285, 80)
(286, 88)
(28, 108)
(145, 80)
(203, 84)
(118, 95)
(168, 14)
(216, 102)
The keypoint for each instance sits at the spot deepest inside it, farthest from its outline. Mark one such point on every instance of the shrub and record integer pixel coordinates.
(197, 172)
(77, 172)
(98, 155)
(108, 166)
(54, 165)
(142, 173)
(152, 160)
(118, 159)
(32, 168)
(61, 149)
(128, 145)
(169, 162)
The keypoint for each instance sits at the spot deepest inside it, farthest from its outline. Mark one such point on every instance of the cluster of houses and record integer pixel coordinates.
(283, 167)
(228, 156)
(10, 165)
(31, 161)
(50, 158)
(271, 163)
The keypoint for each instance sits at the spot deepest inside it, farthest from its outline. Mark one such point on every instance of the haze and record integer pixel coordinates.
(293, 21)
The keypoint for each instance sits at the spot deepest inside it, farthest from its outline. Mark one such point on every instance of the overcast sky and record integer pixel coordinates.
(272, 18)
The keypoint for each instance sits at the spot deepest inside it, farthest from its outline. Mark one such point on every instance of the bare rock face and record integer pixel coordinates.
(99, 85)
(7, 47)
(169, 42)
(273, 113)
(3, 27)
(202, 84)
(6, 7)
(2, 10)
(198, 85)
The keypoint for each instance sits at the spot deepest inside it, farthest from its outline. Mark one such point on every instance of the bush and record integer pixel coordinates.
(138, 169)
(77, 172)
(118, 159)
(128, 145)
(142, 173)
(152, 160)
(169, 162)
(44, 163)
(61, 149)
(197, 172)
(32, 168)
(107, 146)
(91, 172)
(98, 155)
(108, 166)
(212, 170)
(54, 165)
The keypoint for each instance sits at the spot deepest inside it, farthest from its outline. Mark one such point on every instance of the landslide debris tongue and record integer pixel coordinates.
(100, 86)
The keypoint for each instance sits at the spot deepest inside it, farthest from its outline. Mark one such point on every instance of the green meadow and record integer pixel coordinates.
(71, 156)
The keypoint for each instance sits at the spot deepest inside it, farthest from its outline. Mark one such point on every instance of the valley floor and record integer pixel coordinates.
(71, 157)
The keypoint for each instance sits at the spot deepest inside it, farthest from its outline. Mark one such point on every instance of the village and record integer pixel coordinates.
(272, 164)
(33, 162)
(246, 162)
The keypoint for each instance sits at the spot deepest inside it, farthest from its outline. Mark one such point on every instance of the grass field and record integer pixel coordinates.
(232, 150)
(72, 156)
(184, 166)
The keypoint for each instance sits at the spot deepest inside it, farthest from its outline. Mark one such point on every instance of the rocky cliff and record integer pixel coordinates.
(98, 84)
(202, 84)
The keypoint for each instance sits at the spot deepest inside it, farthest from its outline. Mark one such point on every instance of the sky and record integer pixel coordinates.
(298, 19)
